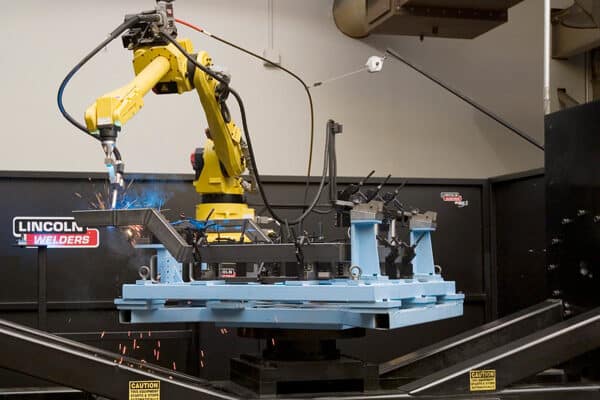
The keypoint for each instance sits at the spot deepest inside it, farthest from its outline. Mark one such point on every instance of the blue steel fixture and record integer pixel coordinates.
(366, 300)
(421, 227)
(364, 219)
(168, 270)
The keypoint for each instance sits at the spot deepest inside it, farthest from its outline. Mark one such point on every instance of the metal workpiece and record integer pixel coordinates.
(149, 218)
(280, 252)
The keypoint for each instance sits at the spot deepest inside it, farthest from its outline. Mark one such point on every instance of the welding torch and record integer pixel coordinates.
(114, 163)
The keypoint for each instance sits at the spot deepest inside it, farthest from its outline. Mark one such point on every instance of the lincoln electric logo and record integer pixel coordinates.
(54, 232)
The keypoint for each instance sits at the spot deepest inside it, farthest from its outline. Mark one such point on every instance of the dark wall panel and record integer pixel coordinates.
(520, 245)
(573, 203)
(83, 283)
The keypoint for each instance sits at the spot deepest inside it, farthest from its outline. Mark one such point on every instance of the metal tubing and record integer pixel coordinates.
(547, 55)
(42, 262)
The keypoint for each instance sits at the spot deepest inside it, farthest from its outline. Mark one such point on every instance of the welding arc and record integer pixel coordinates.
(240, 102)
(275, 65)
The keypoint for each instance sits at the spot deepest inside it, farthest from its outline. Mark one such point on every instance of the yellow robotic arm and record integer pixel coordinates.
(164, 69)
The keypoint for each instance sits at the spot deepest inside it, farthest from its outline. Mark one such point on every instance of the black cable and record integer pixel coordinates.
(469, 101)
(59, 98)
(306, 89)
(257, 175)
(323, 212)
(117, 154)
(240, 102)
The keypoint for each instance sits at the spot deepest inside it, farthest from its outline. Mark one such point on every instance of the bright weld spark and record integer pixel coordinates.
(129, 199)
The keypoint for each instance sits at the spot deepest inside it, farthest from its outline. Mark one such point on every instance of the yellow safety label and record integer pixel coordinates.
(482, 380)
(144, 390)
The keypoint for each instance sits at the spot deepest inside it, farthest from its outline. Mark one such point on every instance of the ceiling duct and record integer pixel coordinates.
(576, 29)
(465, 19)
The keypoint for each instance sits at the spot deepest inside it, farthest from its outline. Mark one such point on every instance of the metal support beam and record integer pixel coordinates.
(516, 360)
(469, 344)
(93, 370)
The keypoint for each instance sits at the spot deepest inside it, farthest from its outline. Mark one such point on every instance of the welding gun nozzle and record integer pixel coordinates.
(114, 197)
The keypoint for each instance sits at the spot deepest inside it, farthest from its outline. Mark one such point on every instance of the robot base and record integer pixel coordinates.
(300, 361)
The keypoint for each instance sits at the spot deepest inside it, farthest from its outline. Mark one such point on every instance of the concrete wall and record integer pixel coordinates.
(395, 121)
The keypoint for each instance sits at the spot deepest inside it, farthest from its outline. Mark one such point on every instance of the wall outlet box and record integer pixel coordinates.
(272, 55)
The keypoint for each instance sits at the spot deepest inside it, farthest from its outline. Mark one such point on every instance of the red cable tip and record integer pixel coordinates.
(189, 25)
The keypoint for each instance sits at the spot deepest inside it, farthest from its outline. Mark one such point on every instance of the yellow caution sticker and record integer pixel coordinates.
(144, 390)
(482, 380)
